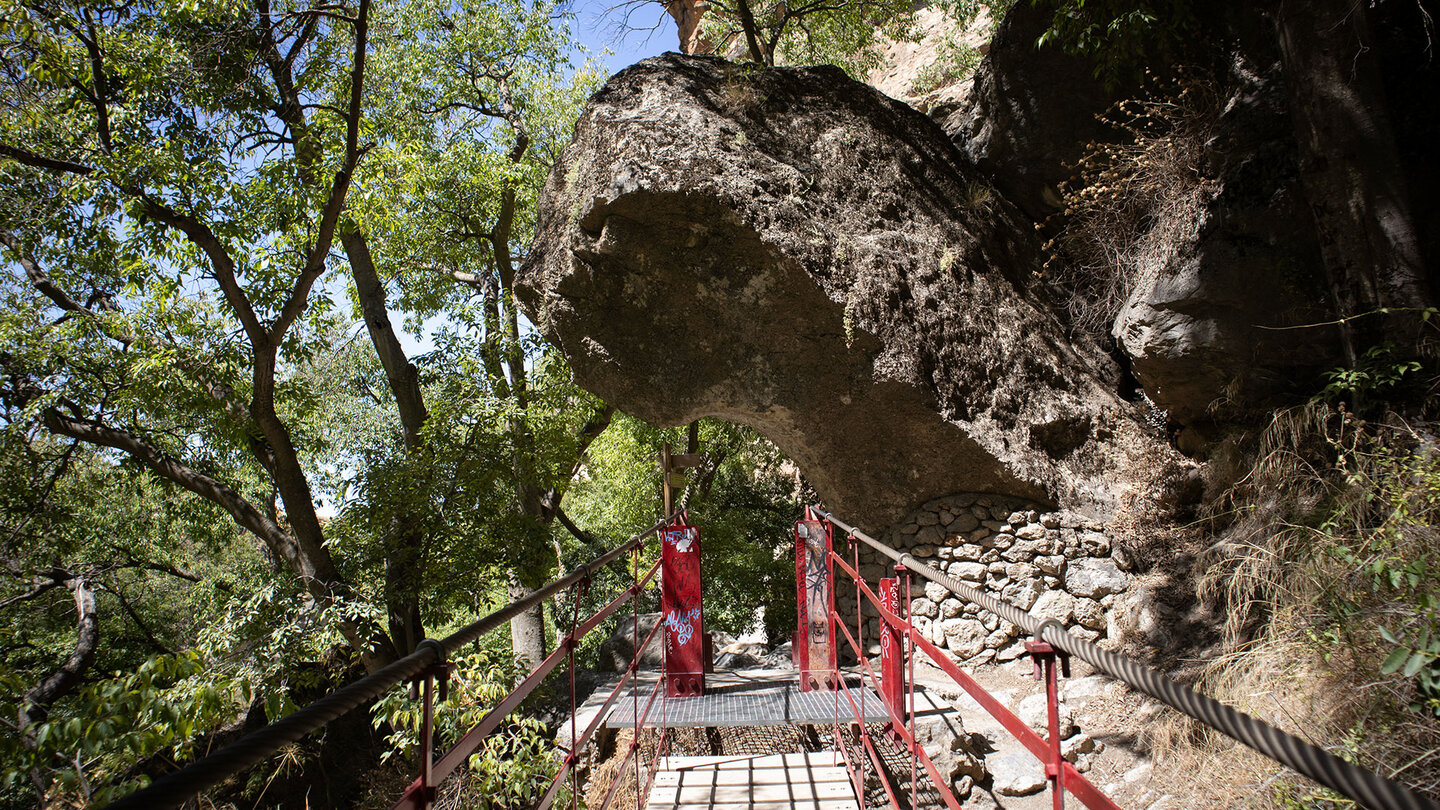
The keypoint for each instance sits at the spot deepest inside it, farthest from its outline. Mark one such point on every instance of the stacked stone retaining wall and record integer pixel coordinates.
(1057, 565)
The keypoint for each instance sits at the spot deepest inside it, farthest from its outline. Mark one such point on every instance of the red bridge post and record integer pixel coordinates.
(1045, 657)
(892, 655)
(814, 642)
(680, 609)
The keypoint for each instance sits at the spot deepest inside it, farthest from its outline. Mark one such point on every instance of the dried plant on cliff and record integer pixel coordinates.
(1132, 200)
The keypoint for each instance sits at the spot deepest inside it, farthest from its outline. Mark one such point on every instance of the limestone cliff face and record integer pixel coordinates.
(792, 250)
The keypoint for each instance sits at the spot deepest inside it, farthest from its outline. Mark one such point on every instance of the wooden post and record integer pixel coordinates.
(665, 475)
(670, 475)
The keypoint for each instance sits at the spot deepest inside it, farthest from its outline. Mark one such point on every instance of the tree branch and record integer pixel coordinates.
(591, 431)
(39, 590)
(101, 97)
(580, 534)
(40, 278)
(35, 705)
(140, 623)
(222, 266)
(402, 375)
(50, 164)
(221, 494)
(330, 216)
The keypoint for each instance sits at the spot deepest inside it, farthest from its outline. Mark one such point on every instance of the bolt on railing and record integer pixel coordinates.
(428, 665)
(1354, 782)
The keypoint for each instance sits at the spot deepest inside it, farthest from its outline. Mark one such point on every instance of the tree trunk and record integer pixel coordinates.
(1351, 171)
(752, 33)
(689, 15)
(35, 705)
(527, 630)
(405, 562)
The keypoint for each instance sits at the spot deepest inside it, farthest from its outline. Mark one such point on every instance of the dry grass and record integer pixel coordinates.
(1329, 537)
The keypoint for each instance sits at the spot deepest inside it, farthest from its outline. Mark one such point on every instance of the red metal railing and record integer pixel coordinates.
(421, 793)
(428, 665)
(1061, 774)
(1051, 647)
(1050, 650)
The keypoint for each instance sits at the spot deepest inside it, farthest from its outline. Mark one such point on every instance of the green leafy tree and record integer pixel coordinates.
(105, 571)
(184, 188)
(847, 33)
(197, 172)
(173, 211)
(745, 497)
(475, 120)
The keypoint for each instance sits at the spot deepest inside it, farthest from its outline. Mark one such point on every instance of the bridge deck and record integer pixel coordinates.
(814, 781)
(753, 697)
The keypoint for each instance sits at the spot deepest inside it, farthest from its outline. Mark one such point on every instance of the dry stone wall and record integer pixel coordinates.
(1055, 564)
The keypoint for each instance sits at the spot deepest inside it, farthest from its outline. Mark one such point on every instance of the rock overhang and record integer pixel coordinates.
(791, 250)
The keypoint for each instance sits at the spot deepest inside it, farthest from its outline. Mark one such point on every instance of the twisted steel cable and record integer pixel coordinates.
(1365, 787)
(172, 789)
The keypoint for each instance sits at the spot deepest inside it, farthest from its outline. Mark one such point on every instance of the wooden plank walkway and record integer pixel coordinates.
(811, 781)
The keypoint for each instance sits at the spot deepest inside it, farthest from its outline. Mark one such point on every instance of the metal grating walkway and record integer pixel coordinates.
(747, 698)
(815, 781)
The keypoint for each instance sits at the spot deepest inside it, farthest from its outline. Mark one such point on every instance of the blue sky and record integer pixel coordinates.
(597, 27)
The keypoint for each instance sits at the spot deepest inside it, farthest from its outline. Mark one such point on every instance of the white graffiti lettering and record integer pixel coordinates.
(681, 624)
(682, 542)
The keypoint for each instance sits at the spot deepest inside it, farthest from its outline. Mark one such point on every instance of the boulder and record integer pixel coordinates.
(1209, 324)
(1057, 605)
(1031, 112)
(782, 657)
(790, 249)
(737, 660)
(1214, 283)
(617, 651)
(1094, 577)
(1034, 711)
(953, 752)
(964, 637)
(968, 571)
(1015, 771)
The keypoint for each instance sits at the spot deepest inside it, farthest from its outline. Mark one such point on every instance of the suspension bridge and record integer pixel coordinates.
(860, 721)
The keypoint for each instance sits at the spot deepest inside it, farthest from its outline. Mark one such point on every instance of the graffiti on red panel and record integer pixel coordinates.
(890, 600)
(682, 587)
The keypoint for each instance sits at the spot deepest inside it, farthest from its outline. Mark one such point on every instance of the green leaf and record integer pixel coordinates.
(1416, 661)
(1394, 660)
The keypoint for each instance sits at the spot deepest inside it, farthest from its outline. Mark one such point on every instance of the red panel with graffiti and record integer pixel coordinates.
(680, 609)
(891, 655)
(814, 637)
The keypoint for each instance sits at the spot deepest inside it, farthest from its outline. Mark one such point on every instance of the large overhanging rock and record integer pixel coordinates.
(794, 251)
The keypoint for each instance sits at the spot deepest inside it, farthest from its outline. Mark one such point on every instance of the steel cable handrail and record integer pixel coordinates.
(1368, 788)
(172, 789)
